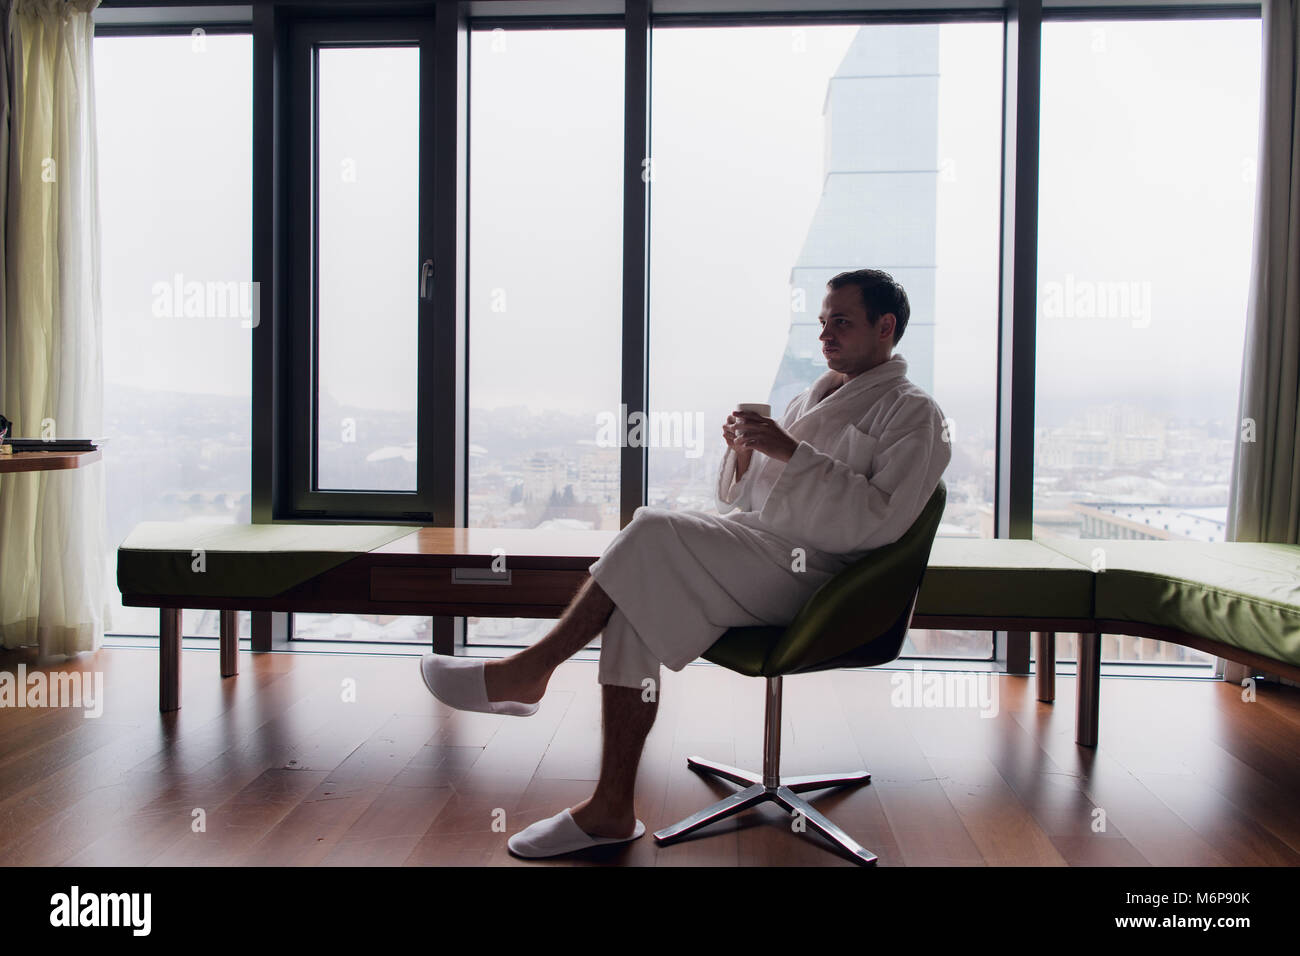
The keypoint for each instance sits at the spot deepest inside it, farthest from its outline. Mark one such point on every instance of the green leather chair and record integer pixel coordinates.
(859, 618)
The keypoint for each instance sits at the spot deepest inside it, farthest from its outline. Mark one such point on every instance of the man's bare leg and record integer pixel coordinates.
(627, 719)
(524, 676)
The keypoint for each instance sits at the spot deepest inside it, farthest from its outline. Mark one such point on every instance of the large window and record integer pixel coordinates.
(778, 156)
(175, 195)
(784, 155)
(1149, 132)
(545, 285)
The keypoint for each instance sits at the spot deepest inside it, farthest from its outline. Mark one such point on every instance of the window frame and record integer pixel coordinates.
(299, 390)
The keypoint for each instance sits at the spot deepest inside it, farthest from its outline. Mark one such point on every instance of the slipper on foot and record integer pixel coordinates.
(561, 834)
(459, 682)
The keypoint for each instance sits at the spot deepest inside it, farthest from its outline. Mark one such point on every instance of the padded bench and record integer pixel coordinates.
(1239, 601)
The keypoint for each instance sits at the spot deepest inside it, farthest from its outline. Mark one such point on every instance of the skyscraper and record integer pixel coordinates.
(877, 208)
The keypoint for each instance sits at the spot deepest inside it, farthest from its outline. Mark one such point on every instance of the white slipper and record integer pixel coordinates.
(560, 834)
(459, 682)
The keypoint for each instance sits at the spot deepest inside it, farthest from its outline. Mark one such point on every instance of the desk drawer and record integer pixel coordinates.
(474, 586)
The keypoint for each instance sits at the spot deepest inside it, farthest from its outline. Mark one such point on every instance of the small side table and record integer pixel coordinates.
(46, 460)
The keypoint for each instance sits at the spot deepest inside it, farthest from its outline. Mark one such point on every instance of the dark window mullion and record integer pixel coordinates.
(634, 459)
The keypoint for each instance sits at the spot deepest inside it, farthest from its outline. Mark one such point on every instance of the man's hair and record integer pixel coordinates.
(880, 294)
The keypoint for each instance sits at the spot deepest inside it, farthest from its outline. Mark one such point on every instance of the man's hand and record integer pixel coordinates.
(748, 432)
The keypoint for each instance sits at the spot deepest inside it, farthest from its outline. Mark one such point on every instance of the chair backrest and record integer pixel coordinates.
(860, 617)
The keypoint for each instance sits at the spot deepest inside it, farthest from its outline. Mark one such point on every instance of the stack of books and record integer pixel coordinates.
(17, 445)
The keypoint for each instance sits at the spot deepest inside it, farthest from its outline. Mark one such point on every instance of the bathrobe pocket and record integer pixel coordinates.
(860, 449)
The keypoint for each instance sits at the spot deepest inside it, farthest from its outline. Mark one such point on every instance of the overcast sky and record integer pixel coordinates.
(1149, 139)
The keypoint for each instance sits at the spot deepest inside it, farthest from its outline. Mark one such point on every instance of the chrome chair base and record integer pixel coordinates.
(784, 794)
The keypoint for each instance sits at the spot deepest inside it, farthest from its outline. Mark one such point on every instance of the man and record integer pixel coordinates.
(848, 469)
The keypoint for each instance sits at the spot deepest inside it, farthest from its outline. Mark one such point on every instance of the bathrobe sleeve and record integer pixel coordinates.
(731, 494)
(822, 502)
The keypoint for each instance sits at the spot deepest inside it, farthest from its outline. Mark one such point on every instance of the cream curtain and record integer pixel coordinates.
(1264, 502)
(53, 569)
(1264, 495)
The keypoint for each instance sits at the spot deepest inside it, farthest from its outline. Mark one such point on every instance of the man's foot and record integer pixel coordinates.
(560, 834)
(598, 822)
(459, 682)
(505, 683)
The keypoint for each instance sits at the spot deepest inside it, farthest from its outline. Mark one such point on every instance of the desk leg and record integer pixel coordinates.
(1088, 683)
(229, 643)
(1045, 665)
(444, 635)
(271, 631)
(169, 659)
(1018, 652)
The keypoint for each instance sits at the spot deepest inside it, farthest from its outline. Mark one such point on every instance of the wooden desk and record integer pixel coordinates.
(46, 460)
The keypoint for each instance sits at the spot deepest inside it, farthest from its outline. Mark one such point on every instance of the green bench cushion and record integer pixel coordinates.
(1244, 594)
(1003, 578)
(240, 560)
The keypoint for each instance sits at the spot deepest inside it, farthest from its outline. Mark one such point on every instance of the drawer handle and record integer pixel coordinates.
(479, 576)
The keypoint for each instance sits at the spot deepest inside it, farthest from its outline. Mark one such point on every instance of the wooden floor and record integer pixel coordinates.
(286, 772)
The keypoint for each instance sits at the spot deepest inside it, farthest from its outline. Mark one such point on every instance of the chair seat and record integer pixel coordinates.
(744, 649)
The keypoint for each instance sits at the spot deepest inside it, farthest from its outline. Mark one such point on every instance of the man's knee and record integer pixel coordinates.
(651, 522)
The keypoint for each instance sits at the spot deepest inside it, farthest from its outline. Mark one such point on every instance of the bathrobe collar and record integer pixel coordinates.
(892, 368)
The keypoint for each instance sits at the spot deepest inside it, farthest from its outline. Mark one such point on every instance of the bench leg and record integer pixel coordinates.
(1045, 654)
(1088, 686)
(169, 659)
(229, 643)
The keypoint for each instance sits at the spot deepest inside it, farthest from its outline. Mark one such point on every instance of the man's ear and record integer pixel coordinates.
(881, 327)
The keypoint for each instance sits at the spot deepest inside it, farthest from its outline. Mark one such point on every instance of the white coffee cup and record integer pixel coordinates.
(758, 408)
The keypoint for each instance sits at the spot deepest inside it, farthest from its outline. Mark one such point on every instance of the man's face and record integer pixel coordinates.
(850, 344)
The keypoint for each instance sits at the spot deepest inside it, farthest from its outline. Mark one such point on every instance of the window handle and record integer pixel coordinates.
(426, 279)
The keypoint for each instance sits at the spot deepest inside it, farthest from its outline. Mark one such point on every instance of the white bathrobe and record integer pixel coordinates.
(869, 457)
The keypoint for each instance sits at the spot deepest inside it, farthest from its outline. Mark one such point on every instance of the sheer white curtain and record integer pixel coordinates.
(53, 574)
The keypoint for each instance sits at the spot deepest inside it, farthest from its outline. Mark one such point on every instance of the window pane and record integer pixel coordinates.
(175, 198)
(368, 260)
(545, 284)
(1147, 192)
(783, 156)
(373, 628)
